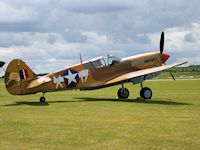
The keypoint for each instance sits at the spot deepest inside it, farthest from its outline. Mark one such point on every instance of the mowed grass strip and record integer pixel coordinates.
(97, 120)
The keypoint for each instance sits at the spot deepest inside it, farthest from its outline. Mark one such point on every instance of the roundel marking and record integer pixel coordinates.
(71, 78)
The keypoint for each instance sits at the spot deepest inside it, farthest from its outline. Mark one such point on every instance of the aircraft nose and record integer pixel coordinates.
(165, 56)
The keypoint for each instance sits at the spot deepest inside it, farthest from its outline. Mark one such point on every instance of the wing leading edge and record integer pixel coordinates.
(134, 74)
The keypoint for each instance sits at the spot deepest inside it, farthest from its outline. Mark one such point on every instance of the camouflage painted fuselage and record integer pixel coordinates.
(21, 80)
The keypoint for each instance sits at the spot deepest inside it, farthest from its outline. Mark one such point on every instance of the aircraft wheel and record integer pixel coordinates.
(123, 93)
(146, 93)
(42, 99)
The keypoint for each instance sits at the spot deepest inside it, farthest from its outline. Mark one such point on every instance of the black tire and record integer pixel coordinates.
(42, 99)
(123, 93)
(146, 93)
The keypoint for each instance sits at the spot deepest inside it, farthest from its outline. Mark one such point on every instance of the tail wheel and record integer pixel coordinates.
(146, 93)
(123, 93)
(42, 99)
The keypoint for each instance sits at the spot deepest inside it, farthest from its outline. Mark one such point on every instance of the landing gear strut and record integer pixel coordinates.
(42, 99)
(145, 92)
(123, 92)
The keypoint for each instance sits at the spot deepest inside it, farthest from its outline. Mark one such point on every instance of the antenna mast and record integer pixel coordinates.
(80, 58)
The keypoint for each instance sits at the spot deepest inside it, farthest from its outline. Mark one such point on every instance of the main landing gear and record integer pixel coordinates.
(123, 92)
(145, 92)
(42, 99)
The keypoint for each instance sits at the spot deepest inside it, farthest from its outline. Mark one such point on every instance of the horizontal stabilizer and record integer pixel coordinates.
(2, 64)
(38, 82)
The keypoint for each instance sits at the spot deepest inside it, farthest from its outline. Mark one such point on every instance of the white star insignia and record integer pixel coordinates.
(58, 81)
(71, 77)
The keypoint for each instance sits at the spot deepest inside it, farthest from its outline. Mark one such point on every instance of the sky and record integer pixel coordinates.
(49, 34)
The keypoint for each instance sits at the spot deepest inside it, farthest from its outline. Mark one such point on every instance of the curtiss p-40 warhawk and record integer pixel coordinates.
(89, 75)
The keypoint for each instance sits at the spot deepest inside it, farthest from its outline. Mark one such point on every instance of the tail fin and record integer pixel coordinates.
(17, 77)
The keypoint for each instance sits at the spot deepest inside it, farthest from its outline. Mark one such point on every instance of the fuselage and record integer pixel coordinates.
(92, 74)
(95, 73)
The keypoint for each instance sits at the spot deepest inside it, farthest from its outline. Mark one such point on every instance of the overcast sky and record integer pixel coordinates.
(49, 34)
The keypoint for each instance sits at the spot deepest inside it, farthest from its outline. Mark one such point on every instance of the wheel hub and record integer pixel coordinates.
(147, 93)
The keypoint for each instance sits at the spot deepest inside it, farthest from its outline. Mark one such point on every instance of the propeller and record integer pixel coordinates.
(162, 41)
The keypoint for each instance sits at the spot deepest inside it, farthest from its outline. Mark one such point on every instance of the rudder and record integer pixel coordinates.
(17, 77)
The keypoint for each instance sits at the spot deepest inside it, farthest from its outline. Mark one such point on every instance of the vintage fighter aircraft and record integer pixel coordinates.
(89, 75)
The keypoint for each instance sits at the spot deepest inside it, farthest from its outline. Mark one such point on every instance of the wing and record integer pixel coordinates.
(134, 74)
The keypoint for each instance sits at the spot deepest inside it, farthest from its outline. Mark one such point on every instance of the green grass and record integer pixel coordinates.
(166, 75)
(96, 120)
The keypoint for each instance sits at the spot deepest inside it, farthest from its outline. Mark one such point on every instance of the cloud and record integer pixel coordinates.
(95, 6)
(95, 38)
(189, 38)
(20, 27)
(51, 33)
(73, 36)
(51, 39)
(9, 40)
(10, 14)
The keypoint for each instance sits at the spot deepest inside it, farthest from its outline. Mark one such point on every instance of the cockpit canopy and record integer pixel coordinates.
(100, 62)
(113, 60)
(95, 63)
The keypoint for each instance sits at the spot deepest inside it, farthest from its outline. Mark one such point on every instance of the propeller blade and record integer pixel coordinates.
(162, 39)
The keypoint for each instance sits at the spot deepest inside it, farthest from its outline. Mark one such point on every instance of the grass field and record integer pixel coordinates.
(166, 75)
(96, 120)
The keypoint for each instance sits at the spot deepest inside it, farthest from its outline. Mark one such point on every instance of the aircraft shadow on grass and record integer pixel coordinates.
(36, 103)
(138, 100)
(89, 99)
